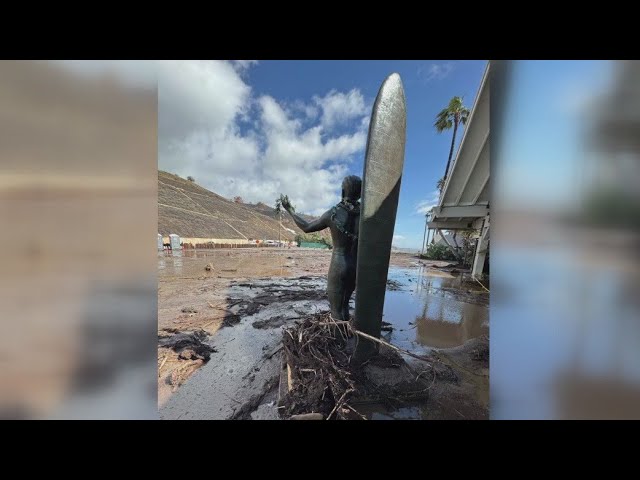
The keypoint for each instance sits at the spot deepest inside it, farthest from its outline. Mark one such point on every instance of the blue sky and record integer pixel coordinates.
(260, 128)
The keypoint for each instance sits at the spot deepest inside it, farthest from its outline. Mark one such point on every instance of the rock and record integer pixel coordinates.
(209, 267)
(189, 310)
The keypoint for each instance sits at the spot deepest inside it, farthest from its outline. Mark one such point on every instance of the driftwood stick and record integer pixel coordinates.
(307, 416)
(387, 344)
(481, 284)
(162, 364)
(377, 340)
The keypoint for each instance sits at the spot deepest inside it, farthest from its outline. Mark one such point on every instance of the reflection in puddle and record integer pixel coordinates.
(429, 312)
(177, 260)
(432, 309)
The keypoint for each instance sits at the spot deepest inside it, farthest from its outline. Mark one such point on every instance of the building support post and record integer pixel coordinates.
(481, 250)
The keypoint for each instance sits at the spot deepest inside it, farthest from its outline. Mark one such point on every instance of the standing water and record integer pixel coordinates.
(432, 309)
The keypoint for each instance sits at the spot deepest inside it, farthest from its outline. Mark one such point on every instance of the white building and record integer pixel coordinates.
(464, 201)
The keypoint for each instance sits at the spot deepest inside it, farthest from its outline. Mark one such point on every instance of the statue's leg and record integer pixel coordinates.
(349, 289)
(336, 299)
(336, 286)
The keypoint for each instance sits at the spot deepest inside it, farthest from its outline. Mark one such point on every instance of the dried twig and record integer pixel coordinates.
(355, 411)
(481, 284)
(162, 364)
(339, 402)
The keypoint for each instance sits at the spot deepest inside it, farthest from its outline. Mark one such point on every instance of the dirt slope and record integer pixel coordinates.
(190, 210)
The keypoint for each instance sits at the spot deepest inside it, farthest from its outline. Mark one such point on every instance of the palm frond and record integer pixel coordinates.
(443, 121)
(464, 116)
(446, 118)
(455, 104)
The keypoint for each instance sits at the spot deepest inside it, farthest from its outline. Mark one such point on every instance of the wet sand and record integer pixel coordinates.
(247, 297)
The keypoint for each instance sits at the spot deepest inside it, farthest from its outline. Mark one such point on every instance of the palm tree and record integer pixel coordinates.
(453, 115)
(440, 184)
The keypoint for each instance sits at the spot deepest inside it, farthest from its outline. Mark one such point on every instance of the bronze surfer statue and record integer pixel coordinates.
(343, 220)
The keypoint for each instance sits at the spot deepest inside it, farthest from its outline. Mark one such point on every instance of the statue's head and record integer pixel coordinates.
(351, 188)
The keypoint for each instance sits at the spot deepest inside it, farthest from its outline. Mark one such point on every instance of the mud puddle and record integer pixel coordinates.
(239, 263)
(379, 412)
(431, 309)
(446, 315)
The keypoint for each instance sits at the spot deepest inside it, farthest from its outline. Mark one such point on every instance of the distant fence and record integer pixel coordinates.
(313, 245)
(202, 246)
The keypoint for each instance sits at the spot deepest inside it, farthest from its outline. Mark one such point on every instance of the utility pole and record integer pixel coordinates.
(424, 237)
(427, 216)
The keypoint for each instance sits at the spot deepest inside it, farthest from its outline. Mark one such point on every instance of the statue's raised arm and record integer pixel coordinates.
(307, 227)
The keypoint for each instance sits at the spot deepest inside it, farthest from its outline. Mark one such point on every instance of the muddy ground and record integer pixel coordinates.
(222, 331)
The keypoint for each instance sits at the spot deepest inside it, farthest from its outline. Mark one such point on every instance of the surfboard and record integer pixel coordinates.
(384, 160)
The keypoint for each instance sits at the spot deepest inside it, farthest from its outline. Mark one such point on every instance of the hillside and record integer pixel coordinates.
(190, 210)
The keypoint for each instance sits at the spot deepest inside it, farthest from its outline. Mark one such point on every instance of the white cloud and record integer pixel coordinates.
(243, 65)
(406, 242)
(435, 71)
(199, 95)
(339, 108)
(236, 143)
(425, 206)
(309, 110)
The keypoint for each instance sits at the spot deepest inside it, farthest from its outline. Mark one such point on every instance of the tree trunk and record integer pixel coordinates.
(453, 142)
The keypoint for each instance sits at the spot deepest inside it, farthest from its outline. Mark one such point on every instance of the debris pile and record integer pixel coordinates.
(321, 378)
(316, 354)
